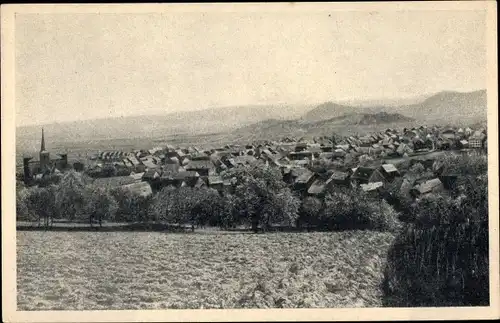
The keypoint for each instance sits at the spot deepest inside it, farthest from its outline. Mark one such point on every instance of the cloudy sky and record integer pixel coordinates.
(84, 66)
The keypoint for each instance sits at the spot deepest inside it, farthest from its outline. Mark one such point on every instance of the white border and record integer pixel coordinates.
(367, 314)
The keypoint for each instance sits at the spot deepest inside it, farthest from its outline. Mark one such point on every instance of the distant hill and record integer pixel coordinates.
(155, 126)
(449, 106)
(393, 102)
(274, 129)
(366, 119)
(258, 121)
(328, 110)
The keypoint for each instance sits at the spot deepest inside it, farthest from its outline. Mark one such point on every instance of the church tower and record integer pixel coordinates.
(44, 155)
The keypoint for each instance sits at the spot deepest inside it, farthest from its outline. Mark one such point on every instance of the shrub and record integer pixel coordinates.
(441, 259)
(131, 207)
(466, 165)
(70, 196)
(23, 213)
(353, 209)
(262, 198)
(101, 205)
(310, 211)
(40, 203)
(186, 205)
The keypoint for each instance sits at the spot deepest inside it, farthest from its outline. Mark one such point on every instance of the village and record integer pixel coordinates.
(309, 167)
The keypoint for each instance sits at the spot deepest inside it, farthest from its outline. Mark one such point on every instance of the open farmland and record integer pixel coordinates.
(139, 270)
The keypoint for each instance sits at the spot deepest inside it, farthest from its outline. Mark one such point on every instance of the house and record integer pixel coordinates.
(431, 186)
(317, 188)
(301, 155)
(448, 134)
(372, 188)
(140, 188)
(304, 180)
(389, 171)
(326, 155)
(338, 178)
(151, 174)
(444, 144)
(137, 176)
(463, 144)
(344, 147)
(216, 182)
(245, 160)
(204, 167)
(300, 146)
(134, 161)
(477, 140)
(403, 149)
(114, 181)
(339, 153)
(418, 143)
(365, 175)
(185, 178)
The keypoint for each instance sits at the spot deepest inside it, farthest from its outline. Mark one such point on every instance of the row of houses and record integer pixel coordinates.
(197, 167)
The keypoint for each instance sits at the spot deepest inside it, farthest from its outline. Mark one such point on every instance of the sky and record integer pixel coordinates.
(85, 66)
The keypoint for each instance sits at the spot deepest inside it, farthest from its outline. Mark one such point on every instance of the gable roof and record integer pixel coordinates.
(185, 174)
(429, 186)
(338, 176)
(200, 164)
(304, 177)
(389, 168)
(317, 187)
(114, 181)
(371, 186)
(214, 180)
(139, 188)
(363, 173)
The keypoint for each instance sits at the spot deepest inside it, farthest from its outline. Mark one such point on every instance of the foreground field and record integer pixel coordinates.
(139, 270)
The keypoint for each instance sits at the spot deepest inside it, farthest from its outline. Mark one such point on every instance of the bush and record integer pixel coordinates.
(70, 196)
(131, 207)
(441, 259)
(101, 205)
(353, 209)
(23, 213)
(40, 204)
(310, 212)
(473, 164)
(262, 199)
(186, 205)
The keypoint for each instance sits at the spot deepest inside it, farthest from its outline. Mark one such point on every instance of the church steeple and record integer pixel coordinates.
(42, 148)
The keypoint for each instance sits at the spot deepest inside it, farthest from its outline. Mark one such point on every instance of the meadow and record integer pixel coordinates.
(155, 270)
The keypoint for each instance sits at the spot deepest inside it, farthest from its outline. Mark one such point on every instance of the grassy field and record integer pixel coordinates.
(140, 270)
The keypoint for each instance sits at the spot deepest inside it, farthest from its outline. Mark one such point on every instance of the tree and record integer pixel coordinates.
(100, 204)
(262, 198)
(70, 195)
(310, 210)
(353, 209)
(131, 206)
(442, 257)
(23, 213)
(108, 170)
(41, 202)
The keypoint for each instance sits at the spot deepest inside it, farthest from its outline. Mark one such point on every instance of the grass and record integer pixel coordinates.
(141, 270)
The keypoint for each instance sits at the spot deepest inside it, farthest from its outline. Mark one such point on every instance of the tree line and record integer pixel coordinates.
(261, 200)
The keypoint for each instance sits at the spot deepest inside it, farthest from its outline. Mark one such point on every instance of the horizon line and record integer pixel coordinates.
(343, 101)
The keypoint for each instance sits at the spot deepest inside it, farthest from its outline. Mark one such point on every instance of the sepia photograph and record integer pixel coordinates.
(228, 162)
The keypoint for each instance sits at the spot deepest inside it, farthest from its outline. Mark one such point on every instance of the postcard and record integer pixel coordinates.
(250, 162)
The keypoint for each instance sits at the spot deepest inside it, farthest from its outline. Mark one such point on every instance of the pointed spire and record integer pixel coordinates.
(42, 148)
